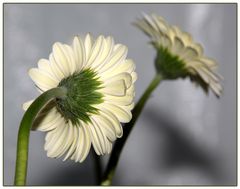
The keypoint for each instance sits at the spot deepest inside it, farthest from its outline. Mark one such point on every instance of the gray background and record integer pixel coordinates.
(182, 137)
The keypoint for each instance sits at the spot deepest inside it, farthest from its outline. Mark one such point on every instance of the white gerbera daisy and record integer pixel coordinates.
(178, 55)
(100, 91)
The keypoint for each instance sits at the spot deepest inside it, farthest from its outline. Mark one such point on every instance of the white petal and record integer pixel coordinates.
(161, 25)
(116, 88)
(87, 141)
(67, 140)
(122, 76)
(42, 79)
(134, 77)
(55, 68)
(101, 136)
(217, 88)
(203, 75)
(150, 21)
(129, 107)
(120, 113)
(106, 126)
(107, 47)
(49, 121)
(209, 62)
(79, 51)
(52, 137)
(26, 105)
(131, 90)
(77, 156)
(74, 143)
(198, 47)
(165, 41)
(126, 66)
(178, 46)
(88, 46)
(44, 65)
(96, 51)
(95, 140)
(114, 121)
(55, 149)
(189, 53)
(59, 54)
(122, 100)
(118, 55)
(210, 73)
(109, 147)
(69, 54)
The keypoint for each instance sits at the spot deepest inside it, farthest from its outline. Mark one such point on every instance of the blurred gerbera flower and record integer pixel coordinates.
(178, 55)
(100, 91)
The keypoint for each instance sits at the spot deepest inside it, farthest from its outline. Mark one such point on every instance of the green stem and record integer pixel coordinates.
(113, 161)
(24, 131)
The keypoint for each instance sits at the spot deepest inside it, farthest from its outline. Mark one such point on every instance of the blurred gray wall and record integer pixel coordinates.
(182, 137)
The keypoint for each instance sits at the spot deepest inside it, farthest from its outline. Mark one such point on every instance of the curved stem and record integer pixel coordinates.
(24, 131)
(113, 161)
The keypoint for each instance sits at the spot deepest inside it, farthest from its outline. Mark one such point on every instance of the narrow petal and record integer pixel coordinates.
(26, 105)
(67, 140)
(83, 143)
(116, 100)
(107, 48)
(95, 140)
(114, 121)
(126, 66)
(120, 113)
(122, 76)
(116, 88)
(96, 51)
(109, 147)
(160, 23)
(51, 140)
(55, 149)
(209, 62)
(79, 51)
(55, 68)
(77, 155)
(101, 136)
(217, 88)
(203, 75)
(59, 53)
(73, 147)
(134, 77)
(118, 55)
(44, 65)
(69, 54)
(106, 126)
(189, 53)
(178, 46)
(88, 43)
(87, 141)
(49, 121)
(42, 79)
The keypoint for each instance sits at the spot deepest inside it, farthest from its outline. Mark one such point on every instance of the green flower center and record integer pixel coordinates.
(168, 65)
(81, 96)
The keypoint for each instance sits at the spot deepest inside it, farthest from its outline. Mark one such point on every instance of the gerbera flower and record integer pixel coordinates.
(178, 55)
(100, 91)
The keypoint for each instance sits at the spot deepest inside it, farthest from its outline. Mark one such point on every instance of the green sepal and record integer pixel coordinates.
(168, 65)
(81, 96)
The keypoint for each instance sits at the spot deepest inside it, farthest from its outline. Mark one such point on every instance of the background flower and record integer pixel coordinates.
(178, 55)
